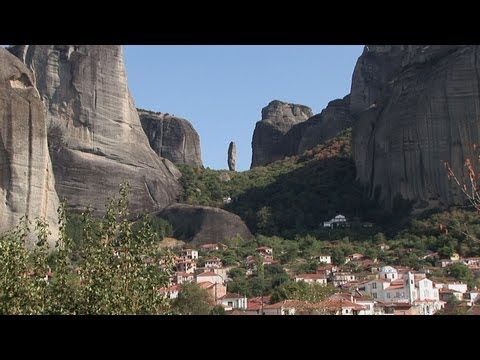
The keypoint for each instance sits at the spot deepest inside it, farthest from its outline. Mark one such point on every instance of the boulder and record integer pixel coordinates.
(203, 224)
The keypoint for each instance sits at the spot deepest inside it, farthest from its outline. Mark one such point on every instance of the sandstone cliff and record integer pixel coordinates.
(416, 106)
(172, 138)
(95, 137)
(27, 185)
(203, 224)
(281, 133)
(277, 119)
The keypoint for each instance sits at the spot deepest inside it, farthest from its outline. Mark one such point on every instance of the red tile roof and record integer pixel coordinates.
(206, 284)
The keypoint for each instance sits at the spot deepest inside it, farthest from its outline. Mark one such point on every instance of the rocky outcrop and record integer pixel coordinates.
(277, 119)
(416, 107)
(94, 132)
(319, 128)
(172, 137)
(302, 135)
(27, 185)
(202, 224)
(232, 156)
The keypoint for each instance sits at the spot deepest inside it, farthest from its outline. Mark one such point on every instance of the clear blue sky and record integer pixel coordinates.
(222, 89)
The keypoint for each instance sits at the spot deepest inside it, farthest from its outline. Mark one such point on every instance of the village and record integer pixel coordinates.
(374, 289)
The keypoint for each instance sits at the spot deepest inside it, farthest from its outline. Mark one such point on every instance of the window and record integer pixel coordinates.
(374, 285)
(388, 295)
(374, 295)
(230, 303)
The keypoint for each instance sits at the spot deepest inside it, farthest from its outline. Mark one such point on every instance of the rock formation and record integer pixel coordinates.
(416, 107)
(319, 128)
(277, 118)
(202, 224)
(27, 185)
(172, 138)
(94, 132)
(232, 156)
(300, 134)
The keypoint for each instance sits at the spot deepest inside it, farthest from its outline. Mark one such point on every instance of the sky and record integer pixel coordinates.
(222, 89)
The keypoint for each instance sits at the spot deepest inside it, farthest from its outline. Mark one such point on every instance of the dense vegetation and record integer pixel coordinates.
(289, 197)
(117, 267)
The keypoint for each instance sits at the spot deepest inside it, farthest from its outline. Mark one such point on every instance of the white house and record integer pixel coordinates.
(209, 276)
(311, 278)
(391, 288)
(327, 259)
(190, 254)
(213, 263)
(341, 278)
(187, 266)
(264, 251)
(233, 301)
(339, 220)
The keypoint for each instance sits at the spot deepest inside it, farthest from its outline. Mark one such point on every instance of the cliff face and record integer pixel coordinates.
(203, 224)
(281, 134)
(416, 107)
(27, 185)
(94, 132)
(277, 119)
(319, 128)
(172, 138)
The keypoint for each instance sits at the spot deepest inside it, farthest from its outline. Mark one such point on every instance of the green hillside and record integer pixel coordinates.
(289, 197)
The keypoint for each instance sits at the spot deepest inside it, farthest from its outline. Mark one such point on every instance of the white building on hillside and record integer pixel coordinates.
(339, 220)
(390, 287)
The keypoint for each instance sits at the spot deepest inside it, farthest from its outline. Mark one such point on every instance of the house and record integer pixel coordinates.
(183, 277)
(210, 247)
(190, 254)
(337, 221)
(354, 257)
(342, 304)
(327, 269)
(215, 290)
(233, 301)
(170, 292)
(341, 278)
(311, 278)
(255, 305)
(213, 263)
(285, 307)
(188, 266)
(264, 251)
(443, 263)
(326, 259)
(251, 262)
(227, 200)
(209, 276)
(393, 287)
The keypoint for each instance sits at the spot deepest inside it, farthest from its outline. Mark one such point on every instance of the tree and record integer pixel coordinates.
(114, 269)
(311, 293)
(193, 300)
(338, 256)
(461, 272)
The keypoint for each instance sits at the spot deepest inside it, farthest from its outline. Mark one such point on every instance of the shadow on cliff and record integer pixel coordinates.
(299, 201)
